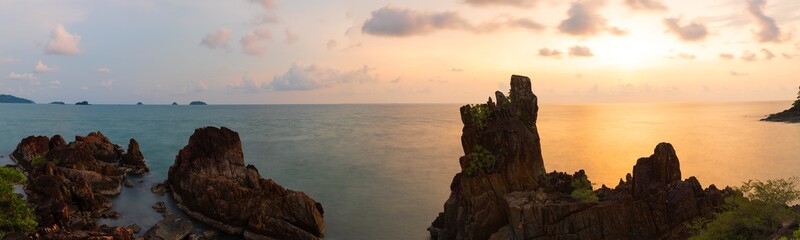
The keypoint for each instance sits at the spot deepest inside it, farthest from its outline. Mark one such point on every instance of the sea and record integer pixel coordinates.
(383, 171)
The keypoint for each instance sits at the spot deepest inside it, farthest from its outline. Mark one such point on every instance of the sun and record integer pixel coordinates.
(630, 52)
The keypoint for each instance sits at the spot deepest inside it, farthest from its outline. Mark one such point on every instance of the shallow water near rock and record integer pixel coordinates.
(383, 171)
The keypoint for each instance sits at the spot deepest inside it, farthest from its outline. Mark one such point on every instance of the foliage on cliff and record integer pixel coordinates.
(797, 102)
(17, 215)
(582, 189)
(481, 159)
(479, 113)
(12, 99)
(756, 212)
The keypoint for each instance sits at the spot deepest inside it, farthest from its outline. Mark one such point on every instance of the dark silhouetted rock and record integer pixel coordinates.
(196, 103)
(139, 103)
(128, 183)
(134, 159)
(791, 115)
(211, 183)
(57, 103)
(502, 191)
(160, 207)
(12, 99)
(82, 103)
(171, 227)
(174, 103)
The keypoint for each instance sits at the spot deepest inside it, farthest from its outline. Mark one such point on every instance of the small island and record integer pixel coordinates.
(174, 103)
(82, 103)
(57, 103)
(198, 103)
(12, 99)
(791, 115)
(139, 103)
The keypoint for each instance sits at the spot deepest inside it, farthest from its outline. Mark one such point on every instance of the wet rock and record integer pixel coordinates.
(160, 207)
(99, 146)
(128, 183)
(30, 148)
(134, 159)
(493, 197)
(211, 183)
(159, 188)
(171, 227)
(135, 228)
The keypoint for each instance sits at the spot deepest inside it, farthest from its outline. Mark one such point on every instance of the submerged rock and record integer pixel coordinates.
(502, 191)
(210, 182)
(171, 227)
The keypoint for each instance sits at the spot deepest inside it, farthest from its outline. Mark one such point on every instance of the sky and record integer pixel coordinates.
(398, 51)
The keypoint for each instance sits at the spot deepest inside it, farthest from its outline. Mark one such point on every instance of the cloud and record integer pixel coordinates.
(42, 68)
(331, 45)
(749, 56)
(102, 70)
(788, 56)
(266, 4)
(726, 56)
(546, 52)
(253, 42)
(456, 70)
(108, 84)
(687, 56)
(650, 5)
(768, 55)
(301, 78)
(692, 32)
(85, 88)
(584, 20)
(55, 84)
(390, 21)
(579, 51)
(517, 3)
(9, 61)
(291, 38)
(217, 39)
(246, 85)
(738, 74)
(62, 42)
(21, 76)
(768, 31)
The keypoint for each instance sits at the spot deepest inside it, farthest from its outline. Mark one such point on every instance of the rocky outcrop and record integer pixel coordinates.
(171, 227)
(134, 159)
(67, 184)
(502, 191)
(210, 182)
(791, 115)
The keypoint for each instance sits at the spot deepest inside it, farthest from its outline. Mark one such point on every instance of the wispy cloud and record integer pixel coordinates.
(691, 32)
(726, 56)
(253, 43)
(650, 5)
(21, 76)
(300, 78)
(546, 52)
(42, 68)
(580, 51)
(103, 70)
(9, 61)
(517, 3)
(393, 21)
(62, 42)
(768, 31)
(768, 55)
(585, 20)
(217, 39)
(749, 56)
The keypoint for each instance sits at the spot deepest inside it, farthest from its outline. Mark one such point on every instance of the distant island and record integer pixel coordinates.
(174, 103)
(198, 103)
(12, 99)
(57, 103)
(791, 115)
(139, 103)
(82, 103)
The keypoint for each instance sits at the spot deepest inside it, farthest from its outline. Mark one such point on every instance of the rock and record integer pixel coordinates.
(160, 207)
(791, 115)
(494, 196)
(211, 183)
(134, 159)
(57, 103)
(98, 145)
(159, 188)
(30, 148)
(139, 103)
(171, 227)
(174, 103)
(128, 183)
(57, 142)
(198, 103)
(135, 228)
(82, 103)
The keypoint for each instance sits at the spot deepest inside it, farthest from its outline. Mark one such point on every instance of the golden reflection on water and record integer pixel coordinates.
(719, 143)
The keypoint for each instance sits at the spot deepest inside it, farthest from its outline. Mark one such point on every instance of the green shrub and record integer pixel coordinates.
(17, 215)
(582, 189)
(757, 211)
(38, 160)
(479, 113)
(797, 102)
(481, 159)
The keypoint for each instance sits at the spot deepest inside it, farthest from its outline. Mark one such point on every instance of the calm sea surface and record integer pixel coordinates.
(383, 171)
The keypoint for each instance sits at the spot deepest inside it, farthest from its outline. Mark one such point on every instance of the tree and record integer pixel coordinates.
(797, 102)
(17, 215)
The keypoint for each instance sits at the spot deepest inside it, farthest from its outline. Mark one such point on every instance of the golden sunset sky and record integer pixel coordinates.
(401, 51)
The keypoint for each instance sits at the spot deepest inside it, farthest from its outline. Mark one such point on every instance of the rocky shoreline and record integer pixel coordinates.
(503, 192)
(68, 184)
(791, 115)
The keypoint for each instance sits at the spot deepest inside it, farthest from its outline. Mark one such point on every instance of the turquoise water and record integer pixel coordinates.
(383, 171)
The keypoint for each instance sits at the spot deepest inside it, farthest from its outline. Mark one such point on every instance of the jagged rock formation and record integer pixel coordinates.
(134, 159)
(210, 182)
(791, 115)
(503, 192)
(67, 184)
